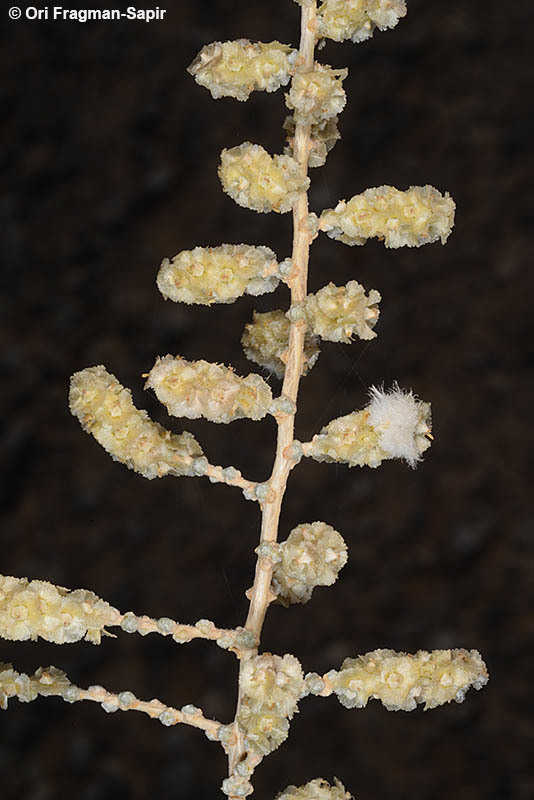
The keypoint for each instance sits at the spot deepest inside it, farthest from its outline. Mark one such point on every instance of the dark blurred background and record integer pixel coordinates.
(109, 154)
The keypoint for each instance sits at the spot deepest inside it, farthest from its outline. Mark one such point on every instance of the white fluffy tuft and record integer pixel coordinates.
(401, 420)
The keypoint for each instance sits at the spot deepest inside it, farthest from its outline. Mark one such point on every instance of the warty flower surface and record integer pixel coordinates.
(105, 410)
(421, 215)
(395, 424)
(237, 68)
(196, 389)
(323, 136)
(317, 95)
(266, 339)
(220, 274)
(357, 19)
(261, 182)
(318, 789)
(312, 555)
(336, 313)
(401, 680)
(271, 687)
(32, 609)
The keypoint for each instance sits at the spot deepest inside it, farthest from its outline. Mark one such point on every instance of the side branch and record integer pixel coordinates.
(53, 682)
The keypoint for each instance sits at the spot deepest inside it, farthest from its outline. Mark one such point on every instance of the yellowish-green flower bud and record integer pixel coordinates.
(29, 609)
(237, 68)
(323, 137)
(221, 274)
(357, 19)
(266, 339)
(264, 730)
(312, 555)
(261, 182)
(45, 682)
(196, 389)
(401, 680)
(420, 215)
(318, 789)
(273, 682)
(317, 95)
(105, 409)
(271, 687)
(395, 424)
(336, 313)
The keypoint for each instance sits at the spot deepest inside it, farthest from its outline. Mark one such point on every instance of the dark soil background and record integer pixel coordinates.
(109, 154)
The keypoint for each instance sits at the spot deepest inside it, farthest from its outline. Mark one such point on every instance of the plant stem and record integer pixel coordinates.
(260, 594)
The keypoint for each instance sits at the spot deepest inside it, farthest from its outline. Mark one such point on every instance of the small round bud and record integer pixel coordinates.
(205, 626)
(126, 699)
(294, 452)
(200, 465)
(166, 625)
(226, 734)
(246, 639)
(182, 635)
(111, 705)
(167, 718)
(311, 223)
(282, 406)
(226, 641)
(262, 491)
(314, 683)
(230, 473)
(270, 550)
(129, 623)
(213, 736)
(285, 267)
(190, 710)
(296, 312)
(71, 694)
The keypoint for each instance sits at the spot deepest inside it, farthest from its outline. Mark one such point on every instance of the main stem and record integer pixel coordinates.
(260, 594)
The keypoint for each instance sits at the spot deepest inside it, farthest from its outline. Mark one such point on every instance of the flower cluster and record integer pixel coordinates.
(312, 555)
(237, 68)
(317, 95)
(221, 274)
(45, 682)
(318, 789)
(323, 136)
(271, 687)
(357, 19)
(29, 609)
(395, 424)
(200, 389)
(336, 313)
(265, 342)
(261, 182)
(105, 409)
(420, 215)
(401, 680)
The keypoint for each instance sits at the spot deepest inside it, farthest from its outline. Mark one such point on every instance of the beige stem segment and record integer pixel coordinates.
(260, 595)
